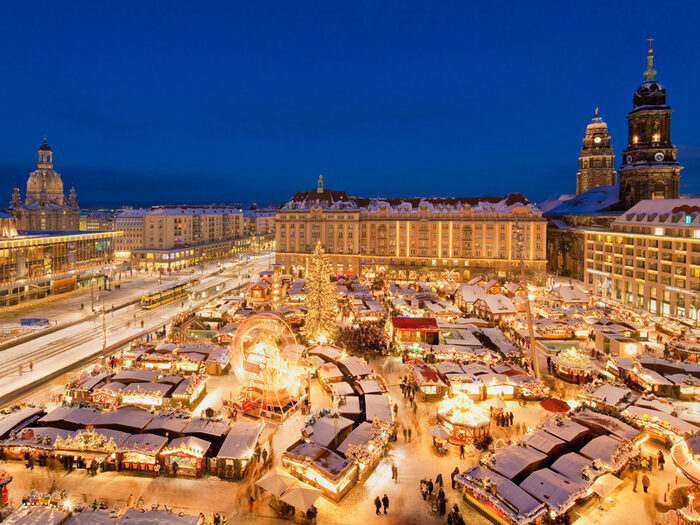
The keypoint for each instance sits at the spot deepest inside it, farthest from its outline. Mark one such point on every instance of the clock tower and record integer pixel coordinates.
(596, 161)
(649, 168)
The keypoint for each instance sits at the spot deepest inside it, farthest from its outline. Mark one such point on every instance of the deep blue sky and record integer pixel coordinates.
(231, 101)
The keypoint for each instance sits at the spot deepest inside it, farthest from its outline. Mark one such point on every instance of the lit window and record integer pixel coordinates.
(656, 137)
(635, 139)
(658, 231)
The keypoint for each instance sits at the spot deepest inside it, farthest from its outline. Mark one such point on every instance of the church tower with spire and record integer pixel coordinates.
(596, 161)
(649, 168)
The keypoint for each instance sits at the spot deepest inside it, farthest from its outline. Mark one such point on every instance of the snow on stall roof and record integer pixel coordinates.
(498, 304)
(379, 406)
(19, 418)
(541, 440)
(514, 496)
(203, 425)
(655, 404)
(358, 436)
(513, 460)
(37, 437)
(145, 443)
(469, 293)
(570, 294)
(97, 517)
(324, 430)
(75, 415)
(571, 465)
(241, 440)
(189, 442)
(135, 374)
(668, 419)
(609, 424)
(134, 418)
(152, 388)
(553, 489)
(610, 394)
(327, 460)
(341, 388)
(602, 448)
(329, 371)
(370, 386)
(350, 406)
(355, 367)
(563, 428)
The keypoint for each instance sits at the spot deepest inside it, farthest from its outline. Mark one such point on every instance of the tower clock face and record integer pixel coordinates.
(629, 159)
(597, 140)
(659, 157)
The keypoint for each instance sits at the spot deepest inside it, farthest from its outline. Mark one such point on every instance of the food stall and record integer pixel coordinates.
(100, 445)
(465, 424)
(188, 452)
(499, 498)
(140, 451)
(190, 391)
(430, 386)
(35, 441)
(660, 425)
(236, 453)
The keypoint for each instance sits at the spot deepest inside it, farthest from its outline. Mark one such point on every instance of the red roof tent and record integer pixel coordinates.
(418, 324)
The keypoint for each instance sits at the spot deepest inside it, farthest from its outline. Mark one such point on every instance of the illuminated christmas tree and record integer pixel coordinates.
(320, 323)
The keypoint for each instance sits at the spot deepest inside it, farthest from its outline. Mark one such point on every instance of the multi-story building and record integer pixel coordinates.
(40, 264)
(413, 238)
(96, 220)
(649, 258)
(259, 222)
(45, 206)
(173, 237)
(130, 223)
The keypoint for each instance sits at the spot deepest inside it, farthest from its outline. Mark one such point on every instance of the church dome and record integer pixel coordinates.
(44, 146)
(650, 93)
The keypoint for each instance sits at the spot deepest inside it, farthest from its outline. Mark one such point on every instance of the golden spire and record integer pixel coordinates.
(596, 111)
(650, 72)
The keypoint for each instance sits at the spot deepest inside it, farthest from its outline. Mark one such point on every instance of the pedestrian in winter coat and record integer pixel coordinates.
(377, 505)
(430, 488)
(438, 480)
(423, 488)
(452, 475)
(635, 480)
(394, 472)
(645, 483)
(385, 502)
(442, 507)
(409, 434)
(650, 462)
(661, 460)
(461, 451)
(405, 433)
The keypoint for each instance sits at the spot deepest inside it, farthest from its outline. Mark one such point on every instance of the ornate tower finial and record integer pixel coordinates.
(319, 189)
(596, 111)
(16, 200)
(650, 72)
(73, 198)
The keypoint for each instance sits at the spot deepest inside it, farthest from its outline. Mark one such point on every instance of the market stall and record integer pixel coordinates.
(573, 366)
(185, 456)
(425, 377)
(140, 451)
(236, 453)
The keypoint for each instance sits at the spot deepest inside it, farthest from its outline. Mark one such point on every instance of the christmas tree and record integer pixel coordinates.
(320, 323)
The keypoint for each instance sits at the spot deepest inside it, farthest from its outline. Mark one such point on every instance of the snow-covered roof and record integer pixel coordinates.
(514, 460)
(323, 430)
(131, 375)
(326, 460)
(167, 423)
(132, 418)
(378, 405)
(350, 406)
(603, 448)
(569, 294)
(147, 443)
(19, 418)
(515, 497)
(555, 490)
(595, 200)
(341, 388)
(35, 515)
(497, 304)
(678, 213)
(241, 440)
(329, 353)
(354, 366)
(370, 386)
(571, 466)
(361, 434)
(612, 425)
(75, 415)
(207, 426)
(328, 371)
(541, 440)
(157, 517)
(190, 442)
(563, 428)
(41, 437)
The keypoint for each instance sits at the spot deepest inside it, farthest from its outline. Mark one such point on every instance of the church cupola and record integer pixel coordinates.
(73, 198)
(596, 161)
(45, 156)
(649, 167)
(319, 188)
(16, 200)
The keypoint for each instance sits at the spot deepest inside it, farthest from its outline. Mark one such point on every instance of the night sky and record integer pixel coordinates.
(240, 101)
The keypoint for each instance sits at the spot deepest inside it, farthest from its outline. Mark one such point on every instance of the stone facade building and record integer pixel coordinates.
(596, 161)
(45, 206)
(426, 238)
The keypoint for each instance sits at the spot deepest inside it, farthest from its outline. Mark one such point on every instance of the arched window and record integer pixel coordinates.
(659, 191)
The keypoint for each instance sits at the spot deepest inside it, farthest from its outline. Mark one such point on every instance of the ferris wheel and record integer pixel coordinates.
(267, 352)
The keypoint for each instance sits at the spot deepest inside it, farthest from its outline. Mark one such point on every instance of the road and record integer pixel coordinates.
(55, 351)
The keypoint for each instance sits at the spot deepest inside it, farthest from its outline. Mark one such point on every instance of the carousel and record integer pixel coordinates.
(276, 384)
(462, 421)
(686, 457)
(573, 366)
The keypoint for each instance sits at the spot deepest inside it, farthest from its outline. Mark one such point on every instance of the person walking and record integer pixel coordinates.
(661, 460)
(510, 416)
(409, 434)
(385, 502)
(430, 488)
(635, 480)
(423, 489)
(650, 462)
(452, 475)
(645, 483)
(394, 473)
(405, 434)
(438, 480)
(377, 505)
(461, 451)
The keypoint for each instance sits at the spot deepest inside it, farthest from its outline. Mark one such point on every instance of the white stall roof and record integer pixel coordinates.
(241, 439)
(552, 489)
(511, 461)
